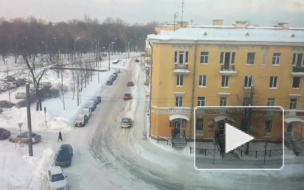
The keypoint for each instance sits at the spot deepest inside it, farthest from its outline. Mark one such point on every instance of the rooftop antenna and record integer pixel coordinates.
(175, 16)
(182, 13)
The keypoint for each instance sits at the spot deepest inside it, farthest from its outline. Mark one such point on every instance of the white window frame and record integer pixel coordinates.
(223, 100)
(251, 53)
(202, 78)
(231, 60)
(179, 80)
(185, 57)
(178, 101)
(225, 79)
(270, 102)
(276, 59)
(248, 82)
(199, 102)
(299, 83)
(295, 59)
(204, 59)
(292, 103)
(271, 80)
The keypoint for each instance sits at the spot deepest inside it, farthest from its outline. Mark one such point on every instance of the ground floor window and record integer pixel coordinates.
(199, 126)
(268, 128)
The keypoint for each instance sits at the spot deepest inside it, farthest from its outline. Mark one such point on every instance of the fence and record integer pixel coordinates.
(205, 151)
(159, 139)
(263, 153)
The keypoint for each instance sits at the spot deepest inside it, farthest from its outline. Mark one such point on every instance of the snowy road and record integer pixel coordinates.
(108, 157)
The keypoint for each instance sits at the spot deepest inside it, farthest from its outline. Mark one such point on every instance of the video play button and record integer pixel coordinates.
(235, 138)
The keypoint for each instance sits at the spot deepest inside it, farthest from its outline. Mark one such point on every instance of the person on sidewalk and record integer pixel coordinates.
(59, 136)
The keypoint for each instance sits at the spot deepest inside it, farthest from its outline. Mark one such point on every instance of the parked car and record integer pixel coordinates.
(98, 99)
(109, 82)
(56, 178)
(20, 95)
(113, 77)
(3, 88)
(81, 120)
(64, 155)
(46, 85)
(127, 96)
(115, 61)
(9, 78)
(94, 100)
(87, 112)
(6, 104)
(91, 104)
(20, 82)
(130, 83)
(126, 122)
(4, 134)
(11, 85)
(24, 137)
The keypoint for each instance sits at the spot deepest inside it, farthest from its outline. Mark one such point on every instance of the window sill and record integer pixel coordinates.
(296, 88)
(273, 88)
(202, 86)
(250, 65)
(204, 63)
(179, 86)
(276, 65)
(225, 87)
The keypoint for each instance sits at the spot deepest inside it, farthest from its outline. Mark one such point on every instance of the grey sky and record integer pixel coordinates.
(262, 12)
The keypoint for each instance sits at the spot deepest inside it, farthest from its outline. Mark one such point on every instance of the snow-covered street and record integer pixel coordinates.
(107, 156)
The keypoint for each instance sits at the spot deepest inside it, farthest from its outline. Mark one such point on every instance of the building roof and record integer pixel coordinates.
(231, 34)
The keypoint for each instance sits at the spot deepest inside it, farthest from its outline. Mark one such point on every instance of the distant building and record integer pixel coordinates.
(215, 65)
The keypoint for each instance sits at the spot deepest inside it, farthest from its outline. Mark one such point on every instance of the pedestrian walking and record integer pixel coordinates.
(59, 136)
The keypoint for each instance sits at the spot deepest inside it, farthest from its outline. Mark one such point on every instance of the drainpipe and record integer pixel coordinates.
(193, 89)
(150, 103)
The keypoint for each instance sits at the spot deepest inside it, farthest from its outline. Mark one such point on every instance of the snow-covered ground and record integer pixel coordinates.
(108, 157)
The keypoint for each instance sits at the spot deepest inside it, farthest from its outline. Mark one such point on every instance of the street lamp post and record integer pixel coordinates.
(249, 116)
(109, 52)
(129, 48)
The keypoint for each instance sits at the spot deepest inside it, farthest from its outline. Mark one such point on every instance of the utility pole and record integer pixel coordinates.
(182, 13)
(175, 16)
(29, 124)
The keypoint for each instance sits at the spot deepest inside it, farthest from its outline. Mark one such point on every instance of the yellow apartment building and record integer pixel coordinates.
(218, 66)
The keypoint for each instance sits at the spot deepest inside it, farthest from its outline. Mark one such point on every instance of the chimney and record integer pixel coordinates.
(240, 24)
(217, 22)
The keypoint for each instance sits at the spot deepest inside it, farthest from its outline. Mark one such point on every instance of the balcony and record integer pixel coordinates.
(181, 69)
(228, 69)
(297, 71)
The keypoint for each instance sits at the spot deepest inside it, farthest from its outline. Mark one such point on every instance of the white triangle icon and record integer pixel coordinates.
(235, 138)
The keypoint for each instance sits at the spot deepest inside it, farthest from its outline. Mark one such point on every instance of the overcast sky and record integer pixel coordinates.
(261, 12)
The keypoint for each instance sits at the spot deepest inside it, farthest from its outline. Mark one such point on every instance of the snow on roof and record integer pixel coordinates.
(251, 34)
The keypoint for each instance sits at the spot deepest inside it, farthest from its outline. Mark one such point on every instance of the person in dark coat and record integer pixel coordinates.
(59, 136)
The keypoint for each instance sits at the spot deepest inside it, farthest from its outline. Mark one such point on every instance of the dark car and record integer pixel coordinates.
(4, 134)
(114, 76)
(20, 82)
(127, 97)
(64, 156)
(98, 98)
(109, 82)
(10, 78)
(6, 104)
(24, 137)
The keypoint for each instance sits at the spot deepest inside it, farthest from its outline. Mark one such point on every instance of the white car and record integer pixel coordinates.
(87, 112)
(56, 178)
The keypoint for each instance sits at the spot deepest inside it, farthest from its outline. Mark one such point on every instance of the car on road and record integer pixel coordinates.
(64, 155)
(87, 112)
(127, 96)
(114, 76)
(20, 82)
(126, 122)
(9, 78)
(81, 120)
(98, 99)
(109, 82)
(4, 134)
(24, 137)
(91, 104)
(95, 101)
(56, 178)
(6, 104)
(20, 95)
(130, 83)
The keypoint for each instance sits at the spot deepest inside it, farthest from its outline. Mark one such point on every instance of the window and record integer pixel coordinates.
(246, 101)
(204, 57)
(268, 128)
(201, 101)
(181, 57)
(199, 126)
(250, 58)
(248, 81)
(179, 101)
(276, 59)
(180, 80)
(273, 82)
(223, 101)
(227, 58)
(202, 81)
(270, 102)
(298, 60)
(293, 103)
(296, 82)
(225, 81)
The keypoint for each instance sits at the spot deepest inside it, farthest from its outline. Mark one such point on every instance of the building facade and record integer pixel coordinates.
(219, 66)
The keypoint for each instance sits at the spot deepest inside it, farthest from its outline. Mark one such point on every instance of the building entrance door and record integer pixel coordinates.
(290, 130)
(221, 127)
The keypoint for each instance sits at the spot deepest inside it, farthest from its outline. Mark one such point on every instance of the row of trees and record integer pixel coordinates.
(35, 36)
